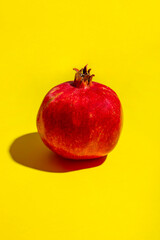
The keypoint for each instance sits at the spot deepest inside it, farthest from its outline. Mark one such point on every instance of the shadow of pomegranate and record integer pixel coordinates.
(30, 151)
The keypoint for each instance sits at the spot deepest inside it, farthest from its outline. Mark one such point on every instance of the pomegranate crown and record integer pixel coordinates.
(83, 77)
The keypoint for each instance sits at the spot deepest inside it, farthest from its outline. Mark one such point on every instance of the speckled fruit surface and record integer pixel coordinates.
(80, 119)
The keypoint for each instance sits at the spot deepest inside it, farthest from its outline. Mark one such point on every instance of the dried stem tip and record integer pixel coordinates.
(83, 77)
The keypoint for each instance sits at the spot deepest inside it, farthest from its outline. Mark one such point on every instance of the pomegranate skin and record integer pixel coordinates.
(80, 123)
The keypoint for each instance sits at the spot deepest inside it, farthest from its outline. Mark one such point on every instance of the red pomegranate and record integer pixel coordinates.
(80, 119)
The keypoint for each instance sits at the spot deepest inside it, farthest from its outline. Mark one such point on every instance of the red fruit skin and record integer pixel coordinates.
(80, 123)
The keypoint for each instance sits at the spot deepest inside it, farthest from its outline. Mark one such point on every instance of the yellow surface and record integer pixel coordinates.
(41, 41)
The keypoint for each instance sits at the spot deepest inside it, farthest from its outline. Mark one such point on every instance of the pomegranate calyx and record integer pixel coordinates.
(82, 77)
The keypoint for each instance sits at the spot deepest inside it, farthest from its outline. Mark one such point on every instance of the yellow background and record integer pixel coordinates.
(40, 43)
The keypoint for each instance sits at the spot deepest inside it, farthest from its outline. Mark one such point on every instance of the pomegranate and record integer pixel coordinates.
(80, 119)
